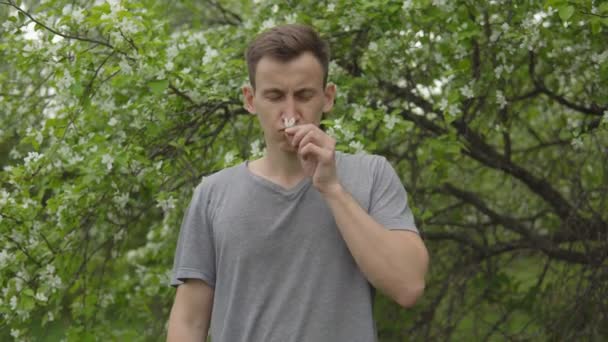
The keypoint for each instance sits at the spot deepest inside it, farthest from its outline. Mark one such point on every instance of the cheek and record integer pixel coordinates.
(262, 107)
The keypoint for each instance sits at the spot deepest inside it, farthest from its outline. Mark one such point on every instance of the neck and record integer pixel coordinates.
(282, 166)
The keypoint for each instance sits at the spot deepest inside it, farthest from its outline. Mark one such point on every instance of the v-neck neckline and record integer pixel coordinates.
(267, 183)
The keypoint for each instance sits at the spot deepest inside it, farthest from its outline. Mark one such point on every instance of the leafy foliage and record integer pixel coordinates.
(494, 113)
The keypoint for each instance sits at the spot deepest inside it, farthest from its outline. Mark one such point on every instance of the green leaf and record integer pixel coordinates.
(77, 89)
(27, 303)
(565, 12)
(596, 25)
(157, 87)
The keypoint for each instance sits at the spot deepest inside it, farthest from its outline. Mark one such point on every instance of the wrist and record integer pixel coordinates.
(333, 191)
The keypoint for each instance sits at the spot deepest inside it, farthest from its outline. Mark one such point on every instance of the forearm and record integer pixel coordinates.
(392, 264)
(191, 312)
(180, 330)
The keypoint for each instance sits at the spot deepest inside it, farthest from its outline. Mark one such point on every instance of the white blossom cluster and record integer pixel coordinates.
(256, 150)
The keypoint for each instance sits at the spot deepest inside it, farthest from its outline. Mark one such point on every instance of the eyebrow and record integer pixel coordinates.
(279, 91)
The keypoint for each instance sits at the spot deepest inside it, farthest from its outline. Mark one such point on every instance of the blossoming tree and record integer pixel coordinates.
(495, 114)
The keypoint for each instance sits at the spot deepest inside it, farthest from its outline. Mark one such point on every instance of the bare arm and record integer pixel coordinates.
(393, 261)
(191, 312)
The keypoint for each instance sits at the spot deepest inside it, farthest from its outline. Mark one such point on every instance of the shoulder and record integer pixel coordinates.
(361, 162)
(219, 181)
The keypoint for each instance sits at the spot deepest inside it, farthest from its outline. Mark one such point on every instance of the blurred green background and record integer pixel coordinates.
(494, 114)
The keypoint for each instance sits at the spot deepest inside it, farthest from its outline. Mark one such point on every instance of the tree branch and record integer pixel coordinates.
(61, 34)
(594, 109)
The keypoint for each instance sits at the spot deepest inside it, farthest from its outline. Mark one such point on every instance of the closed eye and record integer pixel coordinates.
(305, 95)
(273, 95)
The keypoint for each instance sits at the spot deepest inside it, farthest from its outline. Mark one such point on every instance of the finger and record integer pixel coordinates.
(310, 137)
(300, 133)
(311, 150)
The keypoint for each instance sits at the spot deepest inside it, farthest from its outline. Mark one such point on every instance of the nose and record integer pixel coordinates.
(290, 110)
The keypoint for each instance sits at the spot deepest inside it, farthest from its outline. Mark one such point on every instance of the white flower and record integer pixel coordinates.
(390, 121)
(41, 297)
(275, 8)
(357, 146)
(373, 46)
(443, 104)
(358, 113)
(348, 135)
(128, 27)
(418, 111)
(500, 99)
(210, 54)
(255, 149)
(268, 23)
(167, 204)
(169, 66)
(197, 38)
(605, 117)
(229, 158)
(498, 71)
(407, 4)
(8, 25)
(51, 316)
(32, 157)
(4, 197)
(15, 333)
(338, 125)
(76, 158)
(172, 51)
(13, 303)
(112, 122)
(539, 17)
(107, 299)
(78, 15)
(454, 110)
(65, 81)
(121, 199)
(108, 160)
(577, 143)
(39, 138)
(331, 7)
(291, 18)
(55, 282)
(289, 122)
(467, 92)
(125, 67)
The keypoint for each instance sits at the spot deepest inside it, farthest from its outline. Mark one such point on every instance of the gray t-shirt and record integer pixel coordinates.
(275, 257)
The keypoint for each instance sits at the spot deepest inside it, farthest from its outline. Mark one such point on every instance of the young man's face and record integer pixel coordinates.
(288, 91)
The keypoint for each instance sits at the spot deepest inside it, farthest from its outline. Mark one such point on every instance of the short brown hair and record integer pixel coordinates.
(286, 42)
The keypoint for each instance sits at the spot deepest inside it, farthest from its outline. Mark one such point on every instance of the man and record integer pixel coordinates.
(290, 247)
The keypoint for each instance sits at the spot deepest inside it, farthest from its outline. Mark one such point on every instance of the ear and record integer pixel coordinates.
(248, 94)
(330, 96)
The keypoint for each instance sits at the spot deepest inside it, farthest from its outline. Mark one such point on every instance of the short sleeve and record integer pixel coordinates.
(195, 252)
(388, 205)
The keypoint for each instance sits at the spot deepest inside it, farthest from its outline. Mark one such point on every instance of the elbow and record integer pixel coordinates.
(409, 296)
